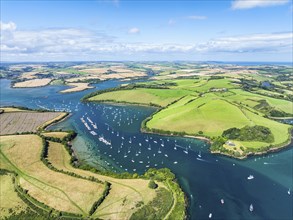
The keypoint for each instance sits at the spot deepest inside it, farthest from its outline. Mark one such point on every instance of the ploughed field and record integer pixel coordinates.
(25, 121)
(207, 107)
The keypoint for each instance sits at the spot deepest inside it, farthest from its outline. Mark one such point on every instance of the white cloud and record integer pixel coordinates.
(10, 26)
(81, 44)
(134, 30)
(276, 42)
(197, 17)
(247, 4)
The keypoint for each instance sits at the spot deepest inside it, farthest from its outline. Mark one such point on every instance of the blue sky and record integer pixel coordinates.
(232, 30)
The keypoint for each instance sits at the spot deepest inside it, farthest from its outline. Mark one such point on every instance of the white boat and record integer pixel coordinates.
(251, 208)
(93, 133)
(250, 177)
(166, 155)
(102, 139)
(186, 150)
(210, 215)
(222, 201)
(289, 191)
(159, 151)
(199, 154)
(175, 162)
(95, 126)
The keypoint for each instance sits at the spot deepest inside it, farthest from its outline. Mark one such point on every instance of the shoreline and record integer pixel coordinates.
(76, 88)
(251, 154)
(206, 139)
(124, 103)
(281, 118)
(56, 121)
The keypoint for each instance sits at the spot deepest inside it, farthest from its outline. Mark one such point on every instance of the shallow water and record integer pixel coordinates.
(204, 177)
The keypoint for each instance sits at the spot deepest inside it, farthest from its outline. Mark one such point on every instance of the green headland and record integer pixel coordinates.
(237, 114)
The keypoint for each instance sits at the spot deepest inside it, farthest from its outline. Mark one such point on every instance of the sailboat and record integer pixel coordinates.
(186, 150)
(251, 208)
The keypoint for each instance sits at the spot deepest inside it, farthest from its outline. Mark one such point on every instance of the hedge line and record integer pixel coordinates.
(102, 198)
(44, 159)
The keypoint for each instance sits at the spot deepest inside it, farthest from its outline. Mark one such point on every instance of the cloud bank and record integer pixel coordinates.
(81, 44)
(247, 4)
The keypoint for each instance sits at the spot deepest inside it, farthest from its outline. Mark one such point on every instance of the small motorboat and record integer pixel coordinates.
(251, 208)
(250, 177)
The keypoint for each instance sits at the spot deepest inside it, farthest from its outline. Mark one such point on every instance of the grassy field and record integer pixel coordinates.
(208, 106)
(21, 154)
(142, 96)
(207, 114)
(26, 121)
(10, 203)
(251, 99)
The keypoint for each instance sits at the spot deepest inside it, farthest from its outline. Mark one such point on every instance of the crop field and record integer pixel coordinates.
(13, 122)
(124, 194)
(57, 190)
(10, 109)
(76, 87)
(59, 134)
(32, 83)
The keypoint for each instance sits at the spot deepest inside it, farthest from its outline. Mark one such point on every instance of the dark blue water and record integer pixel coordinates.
(205, 178)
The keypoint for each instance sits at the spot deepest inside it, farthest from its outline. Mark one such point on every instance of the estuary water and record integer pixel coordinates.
(109, 136)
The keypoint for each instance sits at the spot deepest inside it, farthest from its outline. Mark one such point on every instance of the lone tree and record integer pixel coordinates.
(152, 184)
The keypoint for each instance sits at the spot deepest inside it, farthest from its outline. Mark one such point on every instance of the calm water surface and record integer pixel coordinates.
(205, 178)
